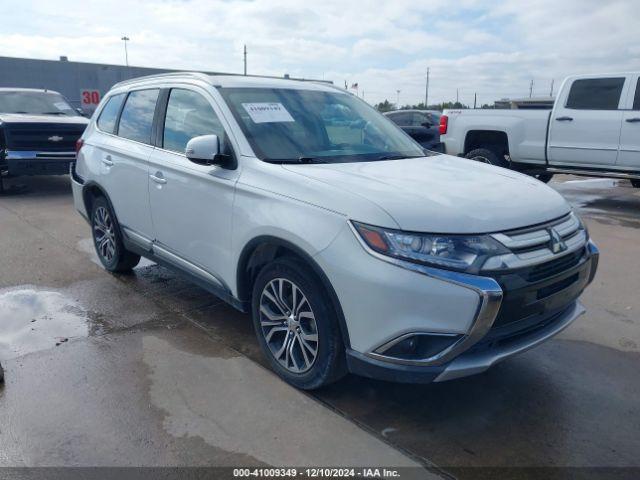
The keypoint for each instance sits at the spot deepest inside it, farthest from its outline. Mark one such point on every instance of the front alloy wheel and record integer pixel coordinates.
(297, 325)
(288, 325)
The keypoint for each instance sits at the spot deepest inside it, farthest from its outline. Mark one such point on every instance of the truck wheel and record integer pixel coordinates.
(635, 183)
(296, 327)
(107, 239)
(490, 157)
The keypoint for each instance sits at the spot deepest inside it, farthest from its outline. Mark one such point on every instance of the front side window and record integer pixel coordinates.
(636, 101)
(109, 114)
(35, 103)
(189, 115)
(595, 94)
(296, 125)
(137, 115)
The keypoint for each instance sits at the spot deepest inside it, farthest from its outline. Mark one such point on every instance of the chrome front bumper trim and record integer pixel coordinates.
(477, 362)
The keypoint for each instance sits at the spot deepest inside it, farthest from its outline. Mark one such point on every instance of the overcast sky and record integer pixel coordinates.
(492, 48)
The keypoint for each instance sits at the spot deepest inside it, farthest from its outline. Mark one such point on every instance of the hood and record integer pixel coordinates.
(444, 194)
(23, 118)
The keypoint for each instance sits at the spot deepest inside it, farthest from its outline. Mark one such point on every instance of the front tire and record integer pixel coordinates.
(484, 155)
(107, 239)
(296, 326)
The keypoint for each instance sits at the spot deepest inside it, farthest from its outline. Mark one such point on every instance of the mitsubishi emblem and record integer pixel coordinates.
(556, 244)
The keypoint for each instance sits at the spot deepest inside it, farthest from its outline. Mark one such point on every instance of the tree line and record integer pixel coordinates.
(387, 106)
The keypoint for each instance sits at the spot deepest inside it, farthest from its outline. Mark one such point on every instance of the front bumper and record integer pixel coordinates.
(509, 316)
(30, 162)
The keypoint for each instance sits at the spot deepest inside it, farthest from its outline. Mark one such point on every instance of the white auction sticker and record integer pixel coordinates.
(267, 112)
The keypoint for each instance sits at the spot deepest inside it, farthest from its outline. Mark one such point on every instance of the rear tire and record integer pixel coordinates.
(635, 183)
(107, 239)
(484, 155)
(300, 336)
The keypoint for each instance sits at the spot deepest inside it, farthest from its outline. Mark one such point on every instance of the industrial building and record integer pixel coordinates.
(83, 84)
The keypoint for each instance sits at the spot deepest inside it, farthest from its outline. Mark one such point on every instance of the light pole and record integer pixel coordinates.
(125, 39)
(398, 100)
(426, 95)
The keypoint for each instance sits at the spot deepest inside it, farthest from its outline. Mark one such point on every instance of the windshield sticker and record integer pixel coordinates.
(267, 112)
(61, 106)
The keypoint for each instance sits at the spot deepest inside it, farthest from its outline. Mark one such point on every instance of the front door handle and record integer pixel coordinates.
(564, 119)
(633, 120)
(107, 161)
(158, 178)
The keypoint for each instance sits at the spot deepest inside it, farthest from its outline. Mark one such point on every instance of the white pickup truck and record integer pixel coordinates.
(592, 129)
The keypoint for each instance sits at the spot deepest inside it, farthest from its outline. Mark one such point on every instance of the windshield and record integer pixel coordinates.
(287, 125)
(38, 103)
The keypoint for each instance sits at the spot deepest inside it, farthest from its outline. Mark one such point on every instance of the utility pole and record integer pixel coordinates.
(398, 100)
(245, 59)
(551, 93)
(125, 39)
(457, 94)
(531, 89)
(426, 95)
(475, 100)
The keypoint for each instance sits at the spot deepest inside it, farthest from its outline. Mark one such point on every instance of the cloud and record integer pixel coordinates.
(490, 48)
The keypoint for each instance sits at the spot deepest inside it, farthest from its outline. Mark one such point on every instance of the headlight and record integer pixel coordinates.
(455, 252)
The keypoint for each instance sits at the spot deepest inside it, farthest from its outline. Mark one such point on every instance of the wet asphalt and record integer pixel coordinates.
(148, 369)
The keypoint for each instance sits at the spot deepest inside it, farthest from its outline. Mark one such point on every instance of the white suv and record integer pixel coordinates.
(353, 249)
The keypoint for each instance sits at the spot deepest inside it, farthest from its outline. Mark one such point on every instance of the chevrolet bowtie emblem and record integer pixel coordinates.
(55, 138)
(556, 244)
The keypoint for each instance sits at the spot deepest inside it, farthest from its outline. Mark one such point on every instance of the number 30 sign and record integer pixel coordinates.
(90, 98)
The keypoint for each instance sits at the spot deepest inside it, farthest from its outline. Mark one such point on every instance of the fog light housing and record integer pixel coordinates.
(417, 346)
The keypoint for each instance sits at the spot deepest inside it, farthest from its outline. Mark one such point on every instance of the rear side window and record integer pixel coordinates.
(403, 119)
(109, 115)
(189, 115)
(636, 101)
(595, 94)
(137, 115)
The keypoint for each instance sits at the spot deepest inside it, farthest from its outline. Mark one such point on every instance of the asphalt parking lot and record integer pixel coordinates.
(148, 369)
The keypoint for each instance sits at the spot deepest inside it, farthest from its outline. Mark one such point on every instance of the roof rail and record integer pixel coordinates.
(207, 77)
(198, 75)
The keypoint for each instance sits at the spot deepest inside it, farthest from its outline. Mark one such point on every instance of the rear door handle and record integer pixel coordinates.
(158, 178)
(107, 161)
(633, 120)
(564, 119)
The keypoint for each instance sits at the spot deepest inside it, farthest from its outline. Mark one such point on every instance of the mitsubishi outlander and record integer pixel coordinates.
(353, 249)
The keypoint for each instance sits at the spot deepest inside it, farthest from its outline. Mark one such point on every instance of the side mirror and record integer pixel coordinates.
(205, 150)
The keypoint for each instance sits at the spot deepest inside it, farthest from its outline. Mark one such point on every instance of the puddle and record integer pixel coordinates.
(34, 320)
(86, 246)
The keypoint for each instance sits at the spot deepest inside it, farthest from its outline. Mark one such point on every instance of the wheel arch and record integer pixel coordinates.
(265, 248)
(494, 140)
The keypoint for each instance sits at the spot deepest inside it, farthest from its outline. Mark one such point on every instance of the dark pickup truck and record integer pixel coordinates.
(38, 132)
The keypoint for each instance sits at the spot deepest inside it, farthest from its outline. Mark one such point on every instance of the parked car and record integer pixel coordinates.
(351, 248)
(38, 132)
(421, 125)
(593, 129)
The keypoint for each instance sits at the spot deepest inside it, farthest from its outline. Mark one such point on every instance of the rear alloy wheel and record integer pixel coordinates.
(107, 239)
(484, 155)
(296, 326)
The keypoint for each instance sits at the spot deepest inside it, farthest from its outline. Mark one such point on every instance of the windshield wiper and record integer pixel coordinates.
(53, 113)
(395, 157)
(299, 160)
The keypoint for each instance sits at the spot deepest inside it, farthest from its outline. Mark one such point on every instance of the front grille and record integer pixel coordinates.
(43, 136)
(553, 267)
